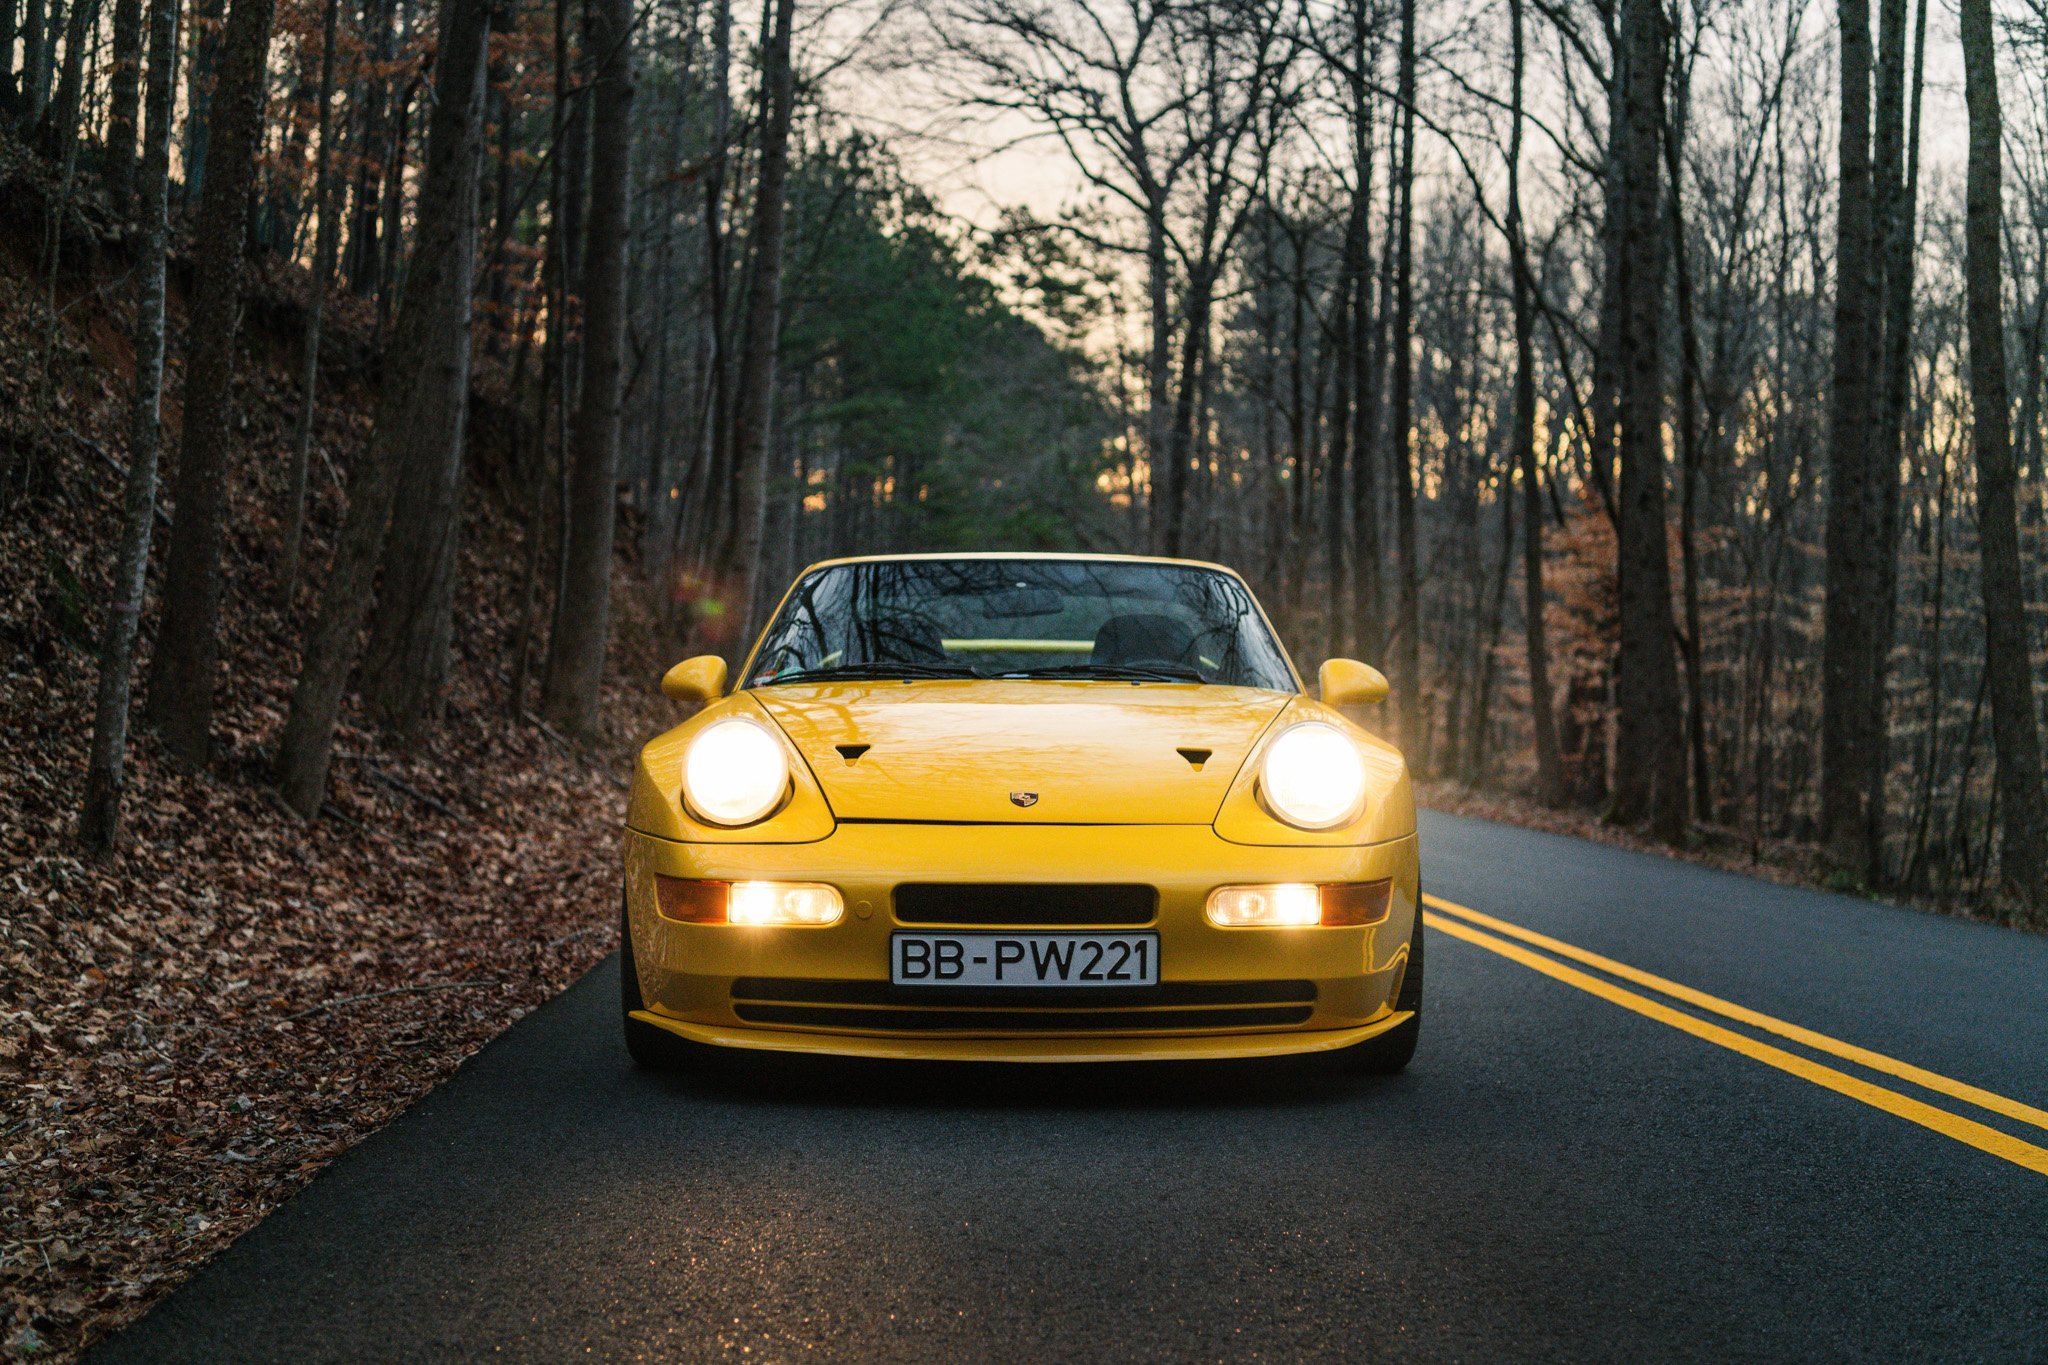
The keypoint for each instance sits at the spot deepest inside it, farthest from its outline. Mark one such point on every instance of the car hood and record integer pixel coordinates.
(1096, 753)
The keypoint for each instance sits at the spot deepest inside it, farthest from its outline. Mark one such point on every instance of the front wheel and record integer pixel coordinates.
(651, 1046)
(1391, 1051)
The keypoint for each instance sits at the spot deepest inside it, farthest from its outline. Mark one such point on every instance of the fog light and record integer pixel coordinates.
(758, 903)
(782, 903)
(1244, 907)
(1340, 904)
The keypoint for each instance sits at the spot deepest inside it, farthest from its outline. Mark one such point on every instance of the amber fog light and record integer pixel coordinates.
(761, 903)
(1295, 905)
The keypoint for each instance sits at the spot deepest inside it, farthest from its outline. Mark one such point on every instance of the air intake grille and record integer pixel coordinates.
(1024, 903)
(877, 1006)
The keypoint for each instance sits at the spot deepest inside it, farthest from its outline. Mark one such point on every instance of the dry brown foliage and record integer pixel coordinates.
(188, 1034)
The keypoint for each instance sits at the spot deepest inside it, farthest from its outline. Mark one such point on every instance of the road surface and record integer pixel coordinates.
(1588, 1159)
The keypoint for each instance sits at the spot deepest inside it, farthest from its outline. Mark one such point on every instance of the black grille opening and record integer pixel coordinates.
(1025, 903)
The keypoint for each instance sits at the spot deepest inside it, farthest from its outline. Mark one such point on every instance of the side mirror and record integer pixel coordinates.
(1347, 682)
(698, 680)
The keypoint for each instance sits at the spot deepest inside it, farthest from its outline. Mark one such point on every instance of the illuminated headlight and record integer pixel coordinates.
(761, 903)
(735, 773)
(1312, 777)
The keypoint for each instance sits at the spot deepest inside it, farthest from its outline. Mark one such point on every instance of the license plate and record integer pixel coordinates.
(1024, 959)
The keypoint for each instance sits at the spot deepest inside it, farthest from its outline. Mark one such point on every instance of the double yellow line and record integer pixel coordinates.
(1470, 925)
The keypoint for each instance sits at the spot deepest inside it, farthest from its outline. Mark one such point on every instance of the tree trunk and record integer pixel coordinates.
(564, 210)
(576, 651)
(1487, 635)
(61, 126)
(9, 35)
(1543, 719)
(1689, 448)
(391, 210)
(1650, 776)
(1368, 635)
(1158, 363)
(326, 243)
(1407, 623)
(406, 660)
(1170, 477)
(2016, 738)
(1897, 188)
(419, 405)
(123, 101)
(100, 821)
(200, 79)
(1852, 720)
(1336, 469)
(180, 703)
(754, 405)
(35, 60)
(710, 474)
(359, 261)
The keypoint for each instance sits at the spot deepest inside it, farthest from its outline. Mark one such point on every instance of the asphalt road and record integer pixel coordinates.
(1557, 1175)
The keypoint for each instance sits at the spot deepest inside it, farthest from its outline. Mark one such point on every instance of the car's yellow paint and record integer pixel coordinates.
(1152, 783)
(1347, 682)
(1095, 752)
(695, 681)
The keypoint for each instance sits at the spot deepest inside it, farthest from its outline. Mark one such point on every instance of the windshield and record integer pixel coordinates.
(1030, 618)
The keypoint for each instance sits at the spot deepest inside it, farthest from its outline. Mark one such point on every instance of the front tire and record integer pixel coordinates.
(652, 1047)
(1391, 1051)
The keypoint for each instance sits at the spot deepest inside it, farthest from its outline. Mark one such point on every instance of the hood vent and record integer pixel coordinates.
(1195, 757)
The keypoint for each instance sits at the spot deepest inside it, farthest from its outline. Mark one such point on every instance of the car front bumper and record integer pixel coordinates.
(1222, 992)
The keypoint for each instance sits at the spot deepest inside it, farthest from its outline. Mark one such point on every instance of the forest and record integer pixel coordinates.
(1655, 389)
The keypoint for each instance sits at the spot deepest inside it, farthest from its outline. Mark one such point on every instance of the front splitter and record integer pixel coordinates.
(1064, 1048)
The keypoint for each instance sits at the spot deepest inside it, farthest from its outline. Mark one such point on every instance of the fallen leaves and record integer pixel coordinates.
(189, 1034)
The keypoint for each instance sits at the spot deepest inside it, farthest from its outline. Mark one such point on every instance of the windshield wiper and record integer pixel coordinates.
(877, 669)
(1118, 672)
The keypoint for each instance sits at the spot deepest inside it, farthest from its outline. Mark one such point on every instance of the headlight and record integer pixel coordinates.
(1312, 776)
(735, 773)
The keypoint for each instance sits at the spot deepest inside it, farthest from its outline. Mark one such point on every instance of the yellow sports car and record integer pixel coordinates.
(1025, 808)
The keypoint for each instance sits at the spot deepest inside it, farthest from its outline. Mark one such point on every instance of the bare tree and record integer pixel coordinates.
(753, 405)
(420, 402)
(99, 824)
(60, 121)
(1105, 83)
(1852, 719)
(1549, 776)
(577, 649)
(123, 100)
(326, 244)
(181, 682)
(2023, 847)
(1407, 592)
(1650, 782)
